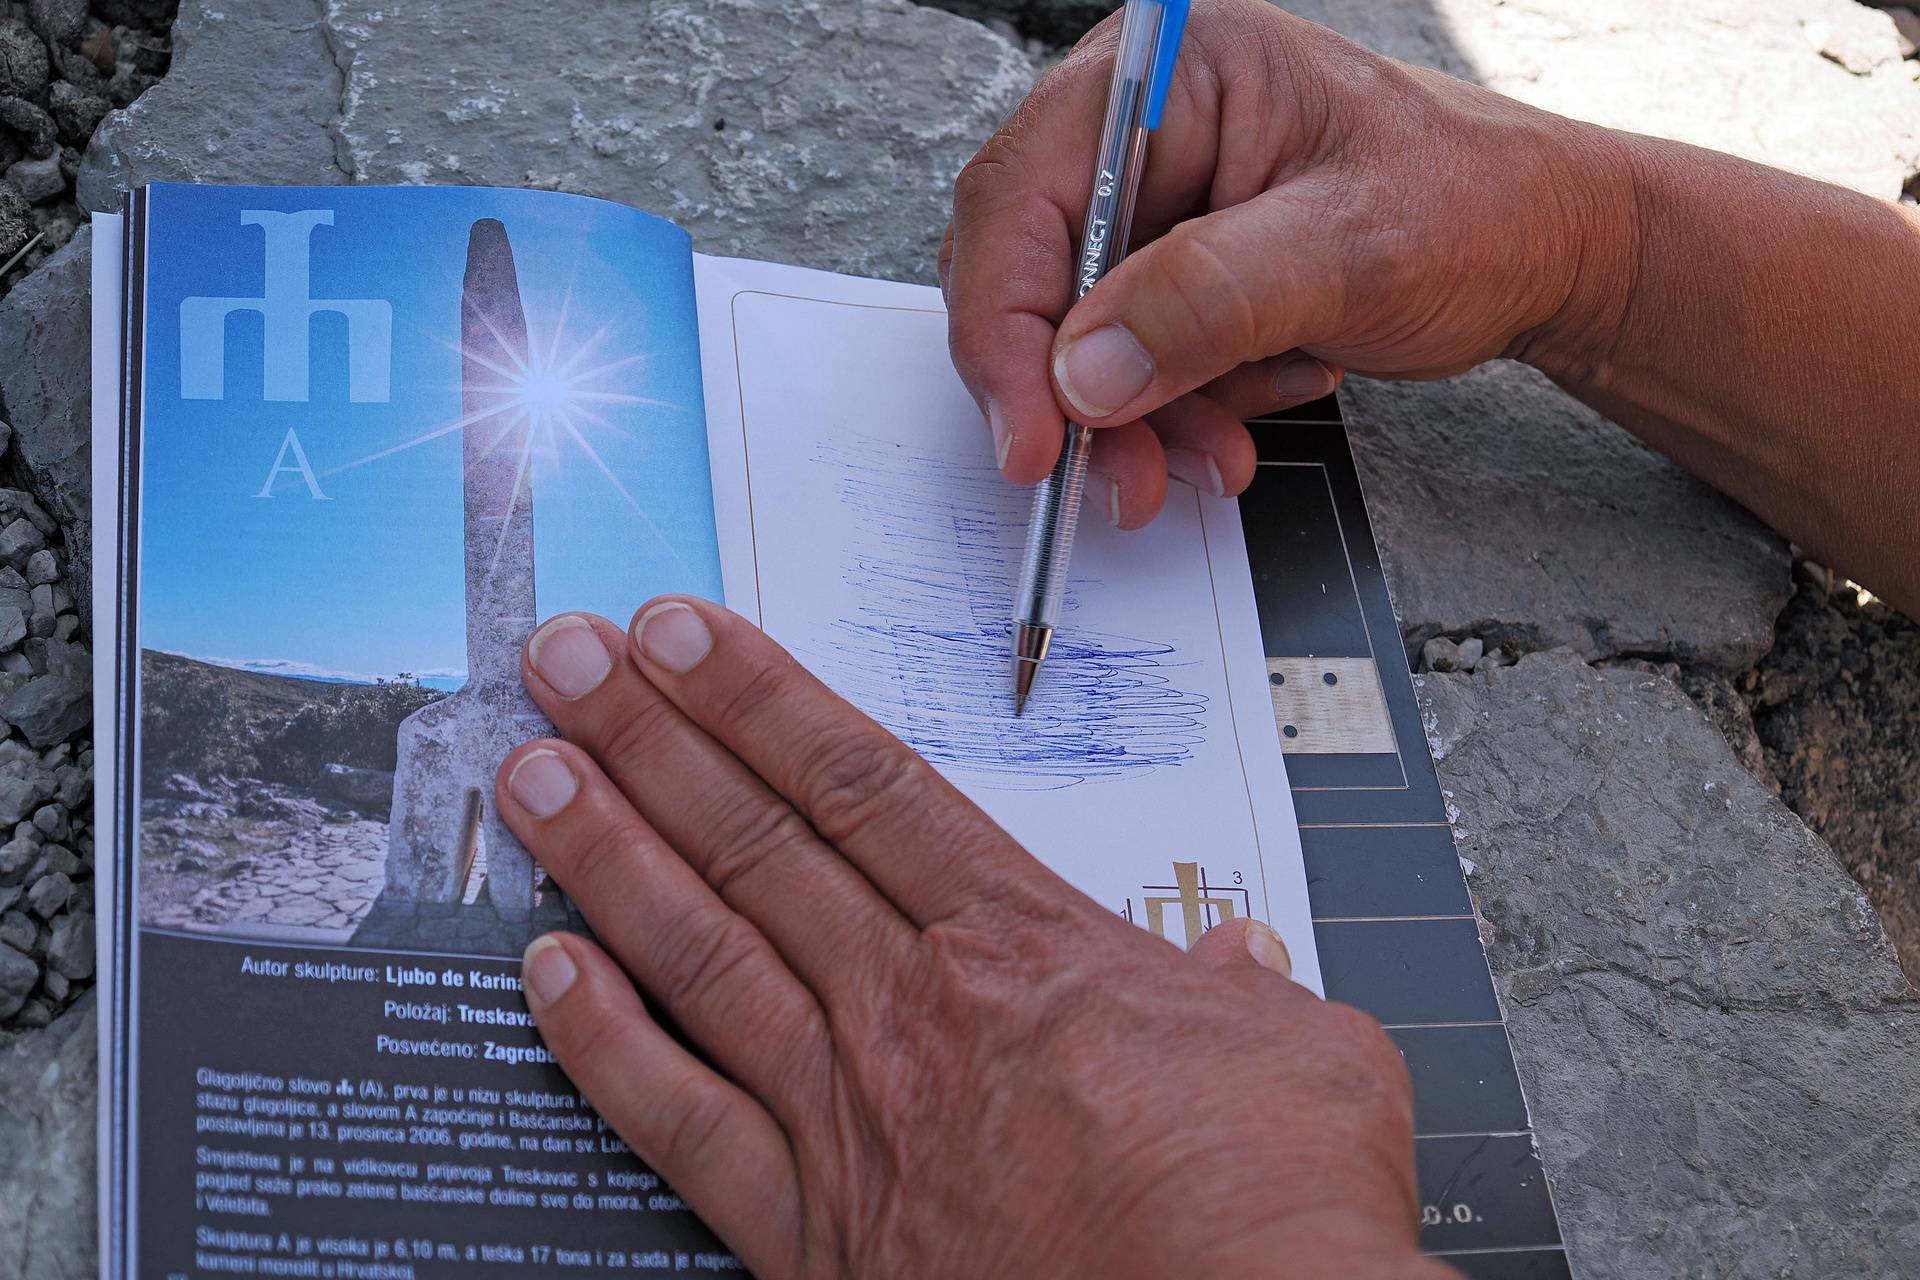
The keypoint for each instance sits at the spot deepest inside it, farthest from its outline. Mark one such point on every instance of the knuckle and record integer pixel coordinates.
(627, 740)
(856, 777)
(1365, 1067)
(766, 684)
(592, 1033)
(748, 836)
(706, 953)
(1194, 274)
(691, 1118)
(598, 855)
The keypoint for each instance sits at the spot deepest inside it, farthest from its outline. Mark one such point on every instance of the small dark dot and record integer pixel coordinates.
(1290, 731)
(1277, 677)
(1331, 678)
(719, 126)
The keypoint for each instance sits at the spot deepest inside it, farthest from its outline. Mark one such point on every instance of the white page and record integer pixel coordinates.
(108, 266)
(862, 525)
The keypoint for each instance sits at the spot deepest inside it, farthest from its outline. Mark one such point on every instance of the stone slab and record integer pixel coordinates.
(1507, 510)
(47, 1160)
(826, 133)
(1713, 1032)
(45, 395)
(251, 96)
(1816, 86)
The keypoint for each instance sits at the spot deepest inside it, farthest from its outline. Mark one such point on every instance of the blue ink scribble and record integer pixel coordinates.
(926, 648)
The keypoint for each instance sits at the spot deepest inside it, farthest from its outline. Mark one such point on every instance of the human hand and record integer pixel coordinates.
(1309, 207)
(923, 1054)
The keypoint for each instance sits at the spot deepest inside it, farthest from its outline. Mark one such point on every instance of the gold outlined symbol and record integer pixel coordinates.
(1192, 903)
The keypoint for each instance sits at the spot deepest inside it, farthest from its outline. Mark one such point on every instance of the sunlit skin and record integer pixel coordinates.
(917, 1052)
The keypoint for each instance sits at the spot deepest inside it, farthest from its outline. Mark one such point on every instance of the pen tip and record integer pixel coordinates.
(1023, 674)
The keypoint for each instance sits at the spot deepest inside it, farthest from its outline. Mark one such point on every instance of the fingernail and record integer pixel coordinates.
(1002, 434)
(1101, 371)
(1198, 469)
(1104, 494)
(541, 783)
(1264, 945)
(569, 657)
(673, 636)
(546, 970)
(1302, 378)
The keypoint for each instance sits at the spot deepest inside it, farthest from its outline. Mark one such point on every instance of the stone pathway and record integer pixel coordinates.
(323, 882)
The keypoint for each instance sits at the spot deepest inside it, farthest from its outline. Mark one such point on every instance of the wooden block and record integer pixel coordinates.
(1330, 706)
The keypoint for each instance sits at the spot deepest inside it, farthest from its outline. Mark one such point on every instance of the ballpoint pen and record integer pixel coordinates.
(1150, 33)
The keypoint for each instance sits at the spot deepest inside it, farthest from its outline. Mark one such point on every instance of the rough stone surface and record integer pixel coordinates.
(1837, 707)
(47, 1165)
(48, 708)
(1746, 76)
(18, 973)
(23, 61)
(1509, 511)
(847, 163)
(44, 374)
(250, 98)
(1714, 1035)
(38, 180)
(16, 220)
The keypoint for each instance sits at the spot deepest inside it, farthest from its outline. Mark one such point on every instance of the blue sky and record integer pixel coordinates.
(370, 581)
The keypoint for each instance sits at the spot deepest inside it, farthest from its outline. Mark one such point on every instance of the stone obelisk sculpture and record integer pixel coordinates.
(444, 817)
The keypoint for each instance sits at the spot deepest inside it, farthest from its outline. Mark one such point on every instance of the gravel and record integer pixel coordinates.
(63, 68)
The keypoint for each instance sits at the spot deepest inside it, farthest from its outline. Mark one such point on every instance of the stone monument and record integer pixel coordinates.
(455, 873)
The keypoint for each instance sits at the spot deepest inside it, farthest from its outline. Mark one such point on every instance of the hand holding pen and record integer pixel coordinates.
(1150, 32)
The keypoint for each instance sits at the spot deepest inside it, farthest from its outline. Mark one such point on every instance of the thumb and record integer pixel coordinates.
(1239, 944)
(1212, 294)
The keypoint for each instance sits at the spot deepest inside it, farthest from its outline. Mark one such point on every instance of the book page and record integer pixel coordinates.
(864, 526)
(368, 436)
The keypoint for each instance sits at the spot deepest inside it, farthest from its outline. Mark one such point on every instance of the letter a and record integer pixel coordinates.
(292, 445)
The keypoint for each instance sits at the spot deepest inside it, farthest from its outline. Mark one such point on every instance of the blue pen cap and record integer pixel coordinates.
(1166, 51)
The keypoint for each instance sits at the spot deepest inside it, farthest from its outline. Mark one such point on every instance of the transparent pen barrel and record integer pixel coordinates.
(1056, 513)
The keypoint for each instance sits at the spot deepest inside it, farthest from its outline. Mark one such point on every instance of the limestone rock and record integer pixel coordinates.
(38, 180)
(370, 790)
(1507, 510)
(42, 568)
(251, 97)
(49, 708)
(76, 113)
(49, 895)
(47, 1126)
(826, 134)
(18, 973)
(70, 950)
(35, 126)
(1858, 38)
(16, 220)
(848, 163)
(44, 373)
(60, 21)
(1715, 1039)
(1737, 75)
(23, 61)
(17, 930)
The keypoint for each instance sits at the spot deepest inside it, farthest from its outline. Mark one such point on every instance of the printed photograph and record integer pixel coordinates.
(384, 458)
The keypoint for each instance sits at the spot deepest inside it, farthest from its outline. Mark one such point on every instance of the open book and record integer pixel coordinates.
(350, 443)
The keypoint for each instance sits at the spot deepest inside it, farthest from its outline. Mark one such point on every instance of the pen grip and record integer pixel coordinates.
(1056, 514)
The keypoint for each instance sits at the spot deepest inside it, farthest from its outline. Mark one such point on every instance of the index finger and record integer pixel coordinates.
(922, 844)
(1007, 269)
